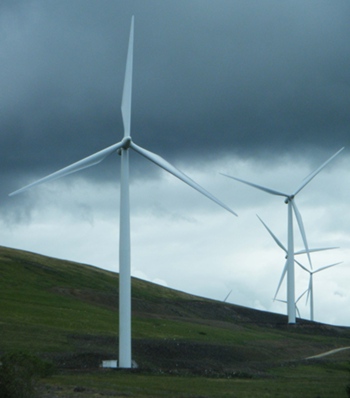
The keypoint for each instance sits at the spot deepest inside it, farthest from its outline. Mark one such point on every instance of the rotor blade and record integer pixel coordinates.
(302, 294)
(177, 173)
(302, 230)
(313, 174)
(227, 296)
(309, 289)
(81, 164)
(327, 266)
(281, 280)
(296, 307)
(281, 301)
(273, 235)
(315, 250)
(126, 100)
(268, 190)
(303, 267)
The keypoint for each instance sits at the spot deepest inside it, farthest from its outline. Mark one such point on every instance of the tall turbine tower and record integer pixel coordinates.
(310, 289)
(292, 207)
(122, 148)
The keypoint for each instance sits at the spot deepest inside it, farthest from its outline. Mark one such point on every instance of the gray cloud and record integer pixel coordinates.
(209, 77)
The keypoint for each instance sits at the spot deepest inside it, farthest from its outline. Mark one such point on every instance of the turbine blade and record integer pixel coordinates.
(281, 301)
(301, 296)
(177, 173)
(81, 164)
(302, 230)
(268, 190)
(302, 266)
(327, 266)
(281, 280)
(273, 235)
(126, 100)
(227, 296)
(313, 174)
(296, 307)
(309, 289)
(315, 250)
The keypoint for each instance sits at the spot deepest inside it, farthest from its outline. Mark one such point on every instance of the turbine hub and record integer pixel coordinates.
(126, 142)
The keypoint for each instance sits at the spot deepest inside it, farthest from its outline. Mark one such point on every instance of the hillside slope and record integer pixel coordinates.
(68, 312)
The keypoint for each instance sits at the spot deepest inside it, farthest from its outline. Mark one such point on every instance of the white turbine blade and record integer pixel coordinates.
(281, 280)
(327, 266)
(313, 174)
(126, 100)
(315, 250)
(301, 296)
(177, 173)
(227, 296)
(281, 301)
(309, 289)
(302, 230)
(81, 164)
(296, 307)
(268, 190)
(303, 267)
(274, 237)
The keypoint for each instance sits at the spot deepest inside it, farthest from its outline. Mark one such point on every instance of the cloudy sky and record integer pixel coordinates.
(256, 89)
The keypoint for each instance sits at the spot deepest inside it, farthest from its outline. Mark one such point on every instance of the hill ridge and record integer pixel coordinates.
(69, 312)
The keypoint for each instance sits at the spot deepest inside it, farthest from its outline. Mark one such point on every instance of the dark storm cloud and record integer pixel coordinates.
(210, 77)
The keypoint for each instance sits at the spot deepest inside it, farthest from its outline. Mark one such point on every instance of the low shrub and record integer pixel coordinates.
(18, 373)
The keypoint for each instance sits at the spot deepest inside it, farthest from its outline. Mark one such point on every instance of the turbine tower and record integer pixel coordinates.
(310, 289)
(292, 207)
(122, 148)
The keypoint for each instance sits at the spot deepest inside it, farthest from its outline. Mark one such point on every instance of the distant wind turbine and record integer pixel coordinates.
(290, 201)
(280, 244)
(122, 148)
(310, 289)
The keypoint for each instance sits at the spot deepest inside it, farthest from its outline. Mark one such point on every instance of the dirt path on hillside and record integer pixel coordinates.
(324, 354)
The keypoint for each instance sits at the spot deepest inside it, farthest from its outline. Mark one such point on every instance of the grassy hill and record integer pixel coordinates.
(67, 312)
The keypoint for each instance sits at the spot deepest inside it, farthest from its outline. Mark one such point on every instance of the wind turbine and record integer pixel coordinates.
(122, 148)
(279, 243)
(310, 289)
(292, 207)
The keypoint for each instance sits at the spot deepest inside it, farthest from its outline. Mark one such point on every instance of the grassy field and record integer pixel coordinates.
(185, 346)
(322, 379)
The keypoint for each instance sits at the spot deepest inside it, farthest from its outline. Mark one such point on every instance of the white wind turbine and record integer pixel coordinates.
(310, 289)
(279, 243)
(290, 201)
(122, 148)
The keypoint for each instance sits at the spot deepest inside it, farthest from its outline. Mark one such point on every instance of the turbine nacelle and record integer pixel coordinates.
(289, 199)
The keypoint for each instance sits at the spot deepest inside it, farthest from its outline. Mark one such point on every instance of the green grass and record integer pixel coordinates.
(311, 381)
